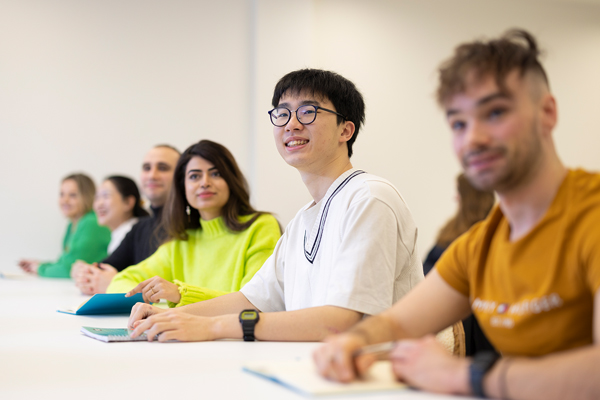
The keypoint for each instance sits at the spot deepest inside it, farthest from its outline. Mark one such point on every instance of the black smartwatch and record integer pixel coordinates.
(249, 319)
(481, 364)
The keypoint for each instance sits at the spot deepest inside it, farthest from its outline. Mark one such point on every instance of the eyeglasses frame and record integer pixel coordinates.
(304, 105)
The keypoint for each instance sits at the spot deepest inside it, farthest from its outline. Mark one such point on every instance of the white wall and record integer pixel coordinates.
(91, 86)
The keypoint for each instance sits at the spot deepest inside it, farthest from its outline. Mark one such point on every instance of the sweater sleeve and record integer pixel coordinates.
(158, 264)
(264, 234)
(193, 294)
(89, 243)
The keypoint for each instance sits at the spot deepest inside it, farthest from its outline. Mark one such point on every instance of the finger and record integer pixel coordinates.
(323, 358)
(169, 335)
(157, 330)
(138, 313)
(138, 289)
(343, 365)
(363, 363)
(146, 325)
(148, 292)
(141, 327)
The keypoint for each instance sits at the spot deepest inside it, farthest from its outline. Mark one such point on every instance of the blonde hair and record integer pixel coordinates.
(86, 187)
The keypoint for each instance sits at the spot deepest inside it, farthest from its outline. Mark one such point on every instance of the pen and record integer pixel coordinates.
(381, 351)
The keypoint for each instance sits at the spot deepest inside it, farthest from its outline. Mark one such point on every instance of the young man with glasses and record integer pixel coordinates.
(349, 253)
(530, 272)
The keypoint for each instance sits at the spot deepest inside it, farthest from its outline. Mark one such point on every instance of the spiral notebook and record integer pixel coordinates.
(110, 334)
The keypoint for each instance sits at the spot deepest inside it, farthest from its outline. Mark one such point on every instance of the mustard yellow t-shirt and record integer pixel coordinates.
(534, 296)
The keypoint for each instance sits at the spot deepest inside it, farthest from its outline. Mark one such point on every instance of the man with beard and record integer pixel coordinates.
(530, 272)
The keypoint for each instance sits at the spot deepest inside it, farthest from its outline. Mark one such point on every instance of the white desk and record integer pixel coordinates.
(43, 356)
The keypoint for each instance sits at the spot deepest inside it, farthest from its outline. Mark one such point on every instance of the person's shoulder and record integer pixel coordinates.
(373, 186)
(585, 184)
(481, 231)
(90, 221)
(142, 223)
(88, 218)
(266, 219)
(263, 220)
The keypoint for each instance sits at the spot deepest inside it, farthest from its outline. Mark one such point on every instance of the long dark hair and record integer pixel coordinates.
(127, 188)
(175, 219)
(473, 206)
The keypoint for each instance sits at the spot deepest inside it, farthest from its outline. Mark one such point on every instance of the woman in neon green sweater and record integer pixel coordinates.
(217, 241)
(84, 240)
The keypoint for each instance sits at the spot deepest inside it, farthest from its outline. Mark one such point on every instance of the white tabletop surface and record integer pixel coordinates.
(43, 355)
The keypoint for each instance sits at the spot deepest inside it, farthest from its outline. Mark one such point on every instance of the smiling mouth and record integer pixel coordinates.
(296, 143)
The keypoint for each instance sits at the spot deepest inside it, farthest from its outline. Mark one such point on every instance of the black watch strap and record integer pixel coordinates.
(248, 320)
(481, 364)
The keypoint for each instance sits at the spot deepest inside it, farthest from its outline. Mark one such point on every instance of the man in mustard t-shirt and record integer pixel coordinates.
(530, 272)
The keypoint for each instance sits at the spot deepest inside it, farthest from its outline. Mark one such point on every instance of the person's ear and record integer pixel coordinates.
(347, 132)
(130, 202)
(548, 114)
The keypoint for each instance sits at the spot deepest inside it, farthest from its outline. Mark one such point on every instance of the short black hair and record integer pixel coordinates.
(342, 93)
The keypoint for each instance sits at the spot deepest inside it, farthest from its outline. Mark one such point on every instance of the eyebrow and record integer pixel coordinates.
(199, 170)
(481, 102)
(302, 103)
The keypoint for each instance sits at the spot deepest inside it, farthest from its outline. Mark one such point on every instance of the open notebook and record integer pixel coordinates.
(301, 376)
(110, 334)
(103, 304)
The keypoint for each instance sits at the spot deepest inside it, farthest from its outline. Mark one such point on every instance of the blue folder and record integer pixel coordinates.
(109, 303)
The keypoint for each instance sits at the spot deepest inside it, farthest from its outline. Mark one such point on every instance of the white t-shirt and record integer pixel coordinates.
(117, 236)
(356, 249)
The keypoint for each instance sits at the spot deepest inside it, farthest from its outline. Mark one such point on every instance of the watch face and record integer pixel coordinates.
(248, 315)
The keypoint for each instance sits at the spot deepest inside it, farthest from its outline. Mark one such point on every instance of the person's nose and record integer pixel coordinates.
(153, 173)
(205, 181)
(293, 124)
(477, 135)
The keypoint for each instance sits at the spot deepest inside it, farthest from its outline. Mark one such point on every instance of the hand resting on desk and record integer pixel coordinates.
(167, 325)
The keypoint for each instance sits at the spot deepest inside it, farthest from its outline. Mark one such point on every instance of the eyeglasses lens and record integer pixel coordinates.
(306, 114)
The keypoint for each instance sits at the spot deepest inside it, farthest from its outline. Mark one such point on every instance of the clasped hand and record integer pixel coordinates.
(92, 279)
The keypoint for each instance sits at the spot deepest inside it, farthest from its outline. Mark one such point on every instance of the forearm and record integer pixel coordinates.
(376, 329)
(307, 325)
(232, 303)
(569, 374)
(55, 270)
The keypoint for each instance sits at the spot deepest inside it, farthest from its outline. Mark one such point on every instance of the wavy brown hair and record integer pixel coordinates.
(474, 205)
(517, 50)
(174, 217)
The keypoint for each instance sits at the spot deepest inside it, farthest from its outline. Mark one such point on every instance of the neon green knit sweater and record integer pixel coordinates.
(88, 242)
(213, 261)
